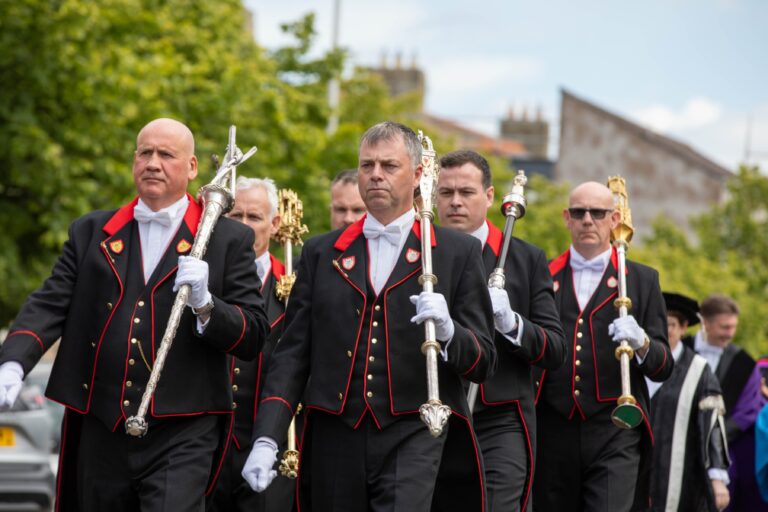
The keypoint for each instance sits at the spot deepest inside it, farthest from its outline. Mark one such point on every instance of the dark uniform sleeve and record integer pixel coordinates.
(471, 352)
(290, 362)
(658, 362)
(40, 321)
(238, 322)
(543, 342)
(711, 424)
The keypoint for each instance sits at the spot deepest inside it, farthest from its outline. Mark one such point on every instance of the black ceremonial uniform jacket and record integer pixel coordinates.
(336, 324)
(248, 376)
(590, 380)
(542, 344)
(82, 302)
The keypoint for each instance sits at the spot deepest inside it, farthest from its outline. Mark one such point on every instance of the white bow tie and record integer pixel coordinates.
(144, 215)
(391, 232)
(579, 264)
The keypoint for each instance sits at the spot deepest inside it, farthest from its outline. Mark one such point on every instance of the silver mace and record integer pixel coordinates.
(217, 200)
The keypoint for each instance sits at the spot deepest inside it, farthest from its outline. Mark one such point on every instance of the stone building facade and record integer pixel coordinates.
(663, 176)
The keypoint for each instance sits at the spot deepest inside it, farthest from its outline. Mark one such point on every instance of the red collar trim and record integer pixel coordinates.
(558, 264)
(495, 237)
(417, 230)
(125, 215)
(193, 214)
(278, 269)
(349, 235)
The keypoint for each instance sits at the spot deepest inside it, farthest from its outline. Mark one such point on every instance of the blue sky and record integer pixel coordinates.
(694, 70)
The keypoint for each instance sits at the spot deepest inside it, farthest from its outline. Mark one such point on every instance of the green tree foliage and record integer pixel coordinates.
(78, 79)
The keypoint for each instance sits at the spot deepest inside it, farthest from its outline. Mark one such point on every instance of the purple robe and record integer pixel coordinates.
(745, 494)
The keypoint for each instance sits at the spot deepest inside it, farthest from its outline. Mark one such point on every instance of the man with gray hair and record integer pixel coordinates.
(256, 207)
(352, 338)
(347, 207)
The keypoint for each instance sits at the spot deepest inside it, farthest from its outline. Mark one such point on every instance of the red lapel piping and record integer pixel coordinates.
(495, 237)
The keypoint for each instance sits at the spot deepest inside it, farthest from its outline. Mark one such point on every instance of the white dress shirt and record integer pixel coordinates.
(516, 334)
(155, 237)
(263, 266)
(383, 251)
(586, 281)
(709, 352)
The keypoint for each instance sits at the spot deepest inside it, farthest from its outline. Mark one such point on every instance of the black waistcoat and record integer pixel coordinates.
(369, 389)
(571, 388)
(126, 354)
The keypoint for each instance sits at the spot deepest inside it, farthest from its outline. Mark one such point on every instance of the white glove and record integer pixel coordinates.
(193, 272)
(504, 318)
(258, 470)
(432, 305)
(11, 375)
(626, 328)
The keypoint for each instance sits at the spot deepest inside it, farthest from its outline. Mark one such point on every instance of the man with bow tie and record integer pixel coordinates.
(352, 331)
(256, 206)
(108, 299)
(527, 332)
(584, 461)
(740, 382)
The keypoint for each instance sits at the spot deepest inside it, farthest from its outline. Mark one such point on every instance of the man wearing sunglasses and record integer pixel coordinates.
(585, 462)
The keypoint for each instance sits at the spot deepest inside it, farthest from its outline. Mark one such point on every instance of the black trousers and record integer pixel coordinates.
(233, 494)
(165, 471)
(504, 445)
(584, 465)
(367, 469)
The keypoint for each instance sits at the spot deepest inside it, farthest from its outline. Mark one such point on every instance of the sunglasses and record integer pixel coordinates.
(595, 213)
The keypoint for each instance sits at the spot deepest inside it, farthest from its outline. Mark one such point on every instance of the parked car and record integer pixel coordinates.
(26, 479)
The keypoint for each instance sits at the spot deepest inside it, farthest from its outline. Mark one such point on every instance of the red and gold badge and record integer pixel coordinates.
(183, 246)
(348, 263)
(116, 246)
(412, 256)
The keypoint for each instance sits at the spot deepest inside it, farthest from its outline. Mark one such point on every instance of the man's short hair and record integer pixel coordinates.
(267, 184)
(718, 304)
(466, 156)
(388, 130)
(347, 177)
(680, 317)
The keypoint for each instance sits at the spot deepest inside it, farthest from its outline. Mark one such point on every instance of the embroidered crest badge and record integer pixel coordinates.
(612, 282)
(412, 255)
(556, 286)
(183, 246)
(116, 246)
(348, 263)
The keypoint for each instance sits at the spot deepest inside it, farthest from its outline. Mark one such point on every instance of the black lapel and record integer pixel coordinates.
(118, 248)
(180, 244)
(353, 263)
(408, 260)
(729, 352)
(608, 286)
(489, 260)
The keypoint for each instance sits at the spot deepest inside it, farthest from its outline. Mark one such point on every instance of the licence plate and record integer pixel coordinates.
(7, 436)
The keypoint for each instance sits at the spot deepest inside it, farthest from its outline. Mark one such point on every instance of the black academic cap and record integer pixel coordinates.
(683, 305)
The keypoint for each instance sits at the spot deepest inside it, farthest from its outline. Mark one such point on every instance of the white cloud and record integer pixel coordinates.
(696, 113)
(477, 72)
(717, 133)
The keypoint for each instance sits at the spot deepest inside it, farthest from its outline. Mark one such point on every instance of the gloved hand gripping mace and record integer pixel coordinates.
(217, 200)
(513, 208)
